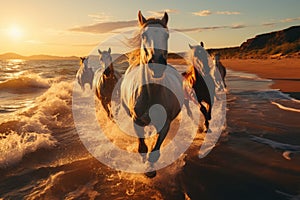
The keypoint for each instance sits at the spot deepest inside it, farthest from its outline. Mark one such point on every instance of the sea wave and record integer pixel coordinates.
(285, 107)
(24, 83)
(286, 148)
(14, 146)
(35, 127)
(45, 185)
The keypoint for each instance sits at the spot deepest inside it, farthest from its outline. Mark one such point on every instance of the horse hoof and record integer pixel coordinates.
(151, 174)
(154, 156)
(144, 157)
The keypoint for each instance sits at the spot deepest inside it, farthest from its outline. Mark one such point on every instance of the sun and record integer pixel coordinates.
(15, 32)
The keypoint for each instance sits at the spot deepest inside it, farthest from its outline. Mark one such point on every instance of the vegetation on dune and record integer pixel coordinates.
(284, 43)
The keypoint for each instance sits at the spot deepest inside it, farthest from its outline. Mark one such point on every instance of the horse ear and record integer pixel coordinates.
(99, 51)
(165, 19)
(142, 19)
(190, 46)
(202, 44)
(109, 50)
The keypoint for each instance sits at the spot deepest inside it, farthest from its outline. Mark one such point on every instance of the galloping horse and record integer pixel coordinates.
(105, 84)
(198, 77)
(144, 91)
(84, 74)
(220, 67)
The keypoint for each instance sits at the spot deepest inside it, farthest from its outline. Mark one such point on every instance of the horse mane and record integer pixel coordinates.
(203, 64)
(134, 42)
(188, 56)
(190, 75)
(133, 57)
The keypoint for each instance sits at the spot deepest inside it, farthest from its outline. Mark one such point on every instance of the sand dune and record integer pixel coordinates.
(284, 72)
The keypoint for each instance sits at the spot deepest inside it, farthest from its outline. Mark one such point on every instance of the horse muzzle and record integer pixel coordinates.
(158, 56)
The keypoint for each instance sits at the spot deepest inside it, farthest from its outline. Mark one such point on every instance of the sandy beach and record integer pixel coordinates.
(284, 72)
(43, 156)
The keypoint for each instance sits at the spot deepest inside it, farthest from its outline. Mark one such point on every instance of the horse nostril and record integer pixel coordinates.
(162, 60)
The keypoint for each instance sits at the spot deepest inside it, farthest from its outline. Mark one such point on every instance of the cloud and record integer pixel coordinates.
(104, 27)
(161, 12)
(85, 45)
(269, 24)
(227, 13)
(101, 17)
(33, 42)
(237, 26)
(290, 20)
(201, 29)
(204, 13)
(286, 20)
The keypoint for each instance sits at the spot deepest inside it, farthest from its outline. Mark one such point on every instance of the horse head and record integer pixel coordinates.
(217, 57)
(84, 61)
(85, 74)
(105, 58)
(199, 58)
(154, 42)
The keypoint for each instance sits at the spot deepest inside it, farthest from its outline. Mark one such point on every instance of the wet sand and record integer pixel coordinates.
(285, 73)
(239, 167)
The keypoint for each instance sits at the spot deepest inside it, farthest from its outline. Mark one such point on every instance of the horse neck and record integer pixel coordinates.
(85, 68)
(197, 65)
(111, 67)
(109, 71)
(217, 61)
(204, 68)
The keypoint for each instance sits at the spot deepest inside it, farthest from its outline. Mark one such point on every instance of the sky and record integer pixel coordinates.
(75, 27)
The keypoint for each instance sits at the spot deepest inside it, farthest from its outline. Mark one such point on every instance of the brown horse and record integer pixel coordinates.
(150, 82)
(105, 83)
(220, 67)
(198, 77)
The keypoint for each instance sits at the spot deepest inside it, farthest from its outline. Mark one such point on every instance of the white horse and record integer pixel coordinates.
(146, 84)
(199, 77)
(85, 74)
(105, 83)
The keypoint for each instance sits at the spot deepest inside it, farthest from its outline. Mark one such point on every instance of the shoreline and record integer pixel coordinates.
(285, 73)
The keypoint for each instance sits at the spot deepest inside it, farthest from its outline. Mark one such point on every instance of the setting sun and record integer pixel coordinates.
(15, 32)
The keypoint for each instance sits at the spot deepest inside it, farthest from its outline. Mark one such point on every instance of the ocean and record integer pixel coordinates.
(43, 157)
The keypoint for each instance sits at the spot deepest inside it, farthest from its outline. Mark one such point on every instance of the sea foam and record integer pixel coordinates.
(32, 128)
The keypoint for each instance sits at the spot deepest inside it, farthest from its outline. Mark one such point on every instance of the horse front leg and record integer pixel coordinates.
(207, 115)
(106, 107)
(142, 149)
(155, 153)
(188, 109)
